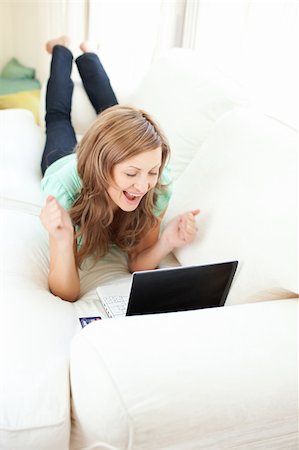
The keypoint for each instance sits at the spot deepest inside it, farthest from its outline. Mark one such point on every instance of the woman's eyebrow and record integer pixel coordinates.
(138, 168)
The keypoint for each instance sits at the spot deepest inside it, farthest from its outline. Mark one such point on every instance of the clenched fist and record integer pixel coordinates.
(181, 230)
(56, 220)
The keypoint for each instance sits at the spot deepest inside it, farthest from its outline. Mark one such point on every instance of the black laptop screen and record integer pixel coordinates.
(180, 289)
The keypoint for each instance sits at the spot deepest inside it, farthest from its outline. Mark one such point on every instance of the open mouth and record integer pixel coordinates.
(134, 198)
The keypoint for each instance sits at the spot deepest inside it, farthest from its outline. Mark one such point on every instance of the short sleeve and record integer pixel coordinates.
(52, 186)
(164, 194)
(62, 181)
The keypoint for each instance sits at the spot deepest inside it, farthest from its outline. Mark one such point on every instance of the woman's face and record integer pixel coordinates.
(133, 178)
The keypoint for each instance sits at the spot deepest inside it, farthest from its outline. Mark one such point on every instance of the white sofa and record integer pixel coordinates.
(224, 378)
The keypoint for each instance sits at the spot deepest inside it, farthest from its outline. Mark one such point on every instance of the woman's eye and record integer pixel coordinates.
(131, 174)
(152, 173)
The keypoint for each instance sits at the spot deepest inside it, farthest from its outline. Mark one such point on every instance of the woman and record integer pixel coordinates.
(114, 189)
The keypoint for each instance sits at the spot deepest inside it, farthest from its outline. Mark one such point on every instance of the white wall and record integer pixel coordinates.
(256, 42)
(129, 31)
(6, 46)
(132, 33)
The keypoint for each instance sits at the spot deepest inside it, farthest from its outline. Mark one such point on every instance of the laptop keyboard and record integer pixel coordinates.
(115, 305)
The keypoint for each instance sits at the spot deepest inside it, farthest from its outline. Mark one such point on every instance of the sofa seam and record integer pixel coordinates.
(8, 430)
(12, 204)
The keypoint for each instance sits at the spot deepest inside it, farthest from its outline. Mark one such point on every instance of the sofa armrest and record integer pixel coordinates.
(197, 380)
(21, 148)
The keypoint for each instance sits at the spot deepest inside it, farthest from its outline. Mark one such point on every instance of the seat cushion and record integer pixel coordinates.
(196, 380)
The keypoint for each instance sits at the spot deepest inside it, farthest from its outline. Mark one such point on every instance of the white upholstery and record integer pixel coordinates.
(210, 379)
(216, 379)
(252, 217)
(21, 149)
(35, 328)
(35, 332)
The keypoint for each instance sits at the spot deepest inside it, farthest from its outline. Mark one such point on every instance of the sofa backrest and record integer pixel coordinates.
(244, 180)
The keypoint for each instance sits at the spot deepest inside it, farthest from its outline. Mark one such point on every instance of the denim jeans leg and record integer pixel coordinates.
(96, 82)
(60, 135)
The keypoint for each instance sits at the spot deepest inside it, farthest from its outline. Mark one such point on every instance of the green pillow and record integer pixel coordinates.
(10, 86)
(14, 70)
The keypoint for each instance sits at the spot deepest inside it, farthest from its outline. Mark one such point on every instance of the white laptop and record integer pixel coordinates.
(171, 289)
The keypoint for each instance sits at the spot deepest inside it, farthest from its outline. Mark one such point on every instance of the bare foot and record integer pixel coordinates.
(89, 47)
(61, 40)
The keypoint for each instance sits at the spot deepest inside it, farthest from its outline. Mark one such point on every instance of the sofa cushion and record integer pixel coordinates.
(195, 380)
(244, 180)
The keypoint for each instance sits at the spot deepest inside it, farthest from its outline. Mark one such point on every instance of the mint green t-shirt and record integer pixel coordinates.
(61, 180)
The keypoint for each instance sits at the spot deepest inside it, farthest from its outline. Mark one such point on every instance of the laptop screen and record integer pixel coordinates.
(181, 288)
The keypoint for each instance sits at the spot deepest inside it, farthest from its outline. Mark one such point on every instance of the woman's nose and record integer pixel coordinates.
(142, 185)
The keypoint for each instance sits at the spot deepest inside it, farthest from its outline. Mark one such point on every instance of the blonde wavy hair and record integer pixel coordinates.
(118, 133)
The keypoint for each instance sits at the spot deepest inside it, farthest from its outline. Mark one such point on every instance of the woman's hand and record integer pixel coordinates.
(63, 278)
(152, 249)
(56, 220)
(180, 231)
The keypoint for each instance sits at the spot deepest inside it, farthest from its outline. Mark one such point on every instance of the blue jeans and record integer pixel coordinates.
(60, 135)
